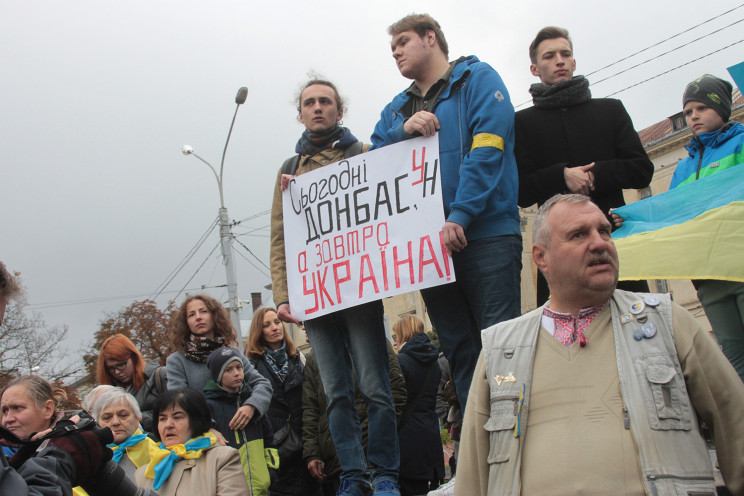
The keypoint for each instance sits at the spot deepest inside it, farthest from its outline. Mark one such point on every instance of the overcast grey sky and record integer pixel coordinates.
(97, 203)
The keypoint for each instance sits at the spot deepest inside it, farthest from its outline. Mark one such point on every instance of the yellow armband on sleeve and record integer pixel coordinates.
(487, 139)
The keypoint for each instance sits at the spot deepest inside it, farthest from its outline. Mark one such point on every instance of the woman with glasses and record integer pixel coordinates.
(121, 364)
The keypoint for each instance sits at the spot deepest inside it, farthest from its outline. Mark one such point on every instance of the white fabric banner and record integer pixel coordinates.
(365, 228)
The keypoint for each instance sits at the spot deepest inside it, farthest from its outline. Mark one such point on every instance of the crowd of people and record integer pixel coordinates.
(597, 391)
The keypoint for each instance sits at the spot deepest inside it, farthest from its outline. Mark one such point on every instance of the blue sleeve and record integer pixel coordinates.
(490, 119)
(260, 398)
(176, 372)
(389, 129)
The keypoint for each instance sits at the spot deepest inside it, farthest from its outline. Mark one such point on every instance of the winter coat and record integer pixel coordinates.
(421, 455)
(317, 443)
(148, 393)
(46, 474)
(286, 405)
(600, 131)
(476, 149)
(711, 153)
(253, 442)
(216, 472)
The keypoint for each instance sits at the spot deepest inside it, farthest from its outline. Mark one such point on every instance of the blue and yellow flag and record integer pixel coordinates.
(695, 231)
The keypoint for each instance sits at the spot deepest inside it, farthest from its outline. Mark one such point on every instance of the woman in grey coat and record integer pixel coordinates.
(200, 326)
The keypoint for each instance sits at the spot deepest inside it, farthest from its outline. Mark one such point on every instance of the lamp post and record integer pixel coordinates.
(226, 237)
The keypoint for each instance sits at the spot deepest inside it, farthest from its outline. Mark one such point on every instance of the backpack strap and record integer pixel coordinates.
(354, 149)
(159, 379)
(290, 165)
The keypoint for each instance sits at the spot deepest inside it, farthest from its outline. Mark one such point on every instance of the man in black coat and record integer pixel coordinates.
(569, 142)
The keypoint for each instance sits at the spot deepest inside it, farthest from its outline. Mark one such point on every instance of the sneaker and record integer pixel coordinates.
(446, 489)
(387, 488)
(353, 488)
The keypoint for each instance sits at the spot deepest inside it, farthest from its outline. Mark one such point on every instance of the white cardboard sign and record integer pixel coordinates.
(365, 228)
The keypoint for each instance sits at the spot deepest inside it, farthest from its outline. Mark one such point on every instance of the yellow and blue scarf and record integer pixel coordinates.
(139, 454)
(162, 459)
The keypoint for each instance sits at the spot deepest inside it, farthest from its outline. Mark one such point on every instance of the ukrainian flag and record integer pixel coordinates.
(695, 231)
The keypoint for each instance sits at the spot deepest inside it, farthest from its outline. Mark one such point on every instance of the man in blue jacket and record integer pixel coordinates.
(467, 103)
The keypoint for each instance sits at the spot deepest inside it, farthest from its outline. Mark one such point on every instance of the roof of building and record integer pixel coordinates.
(663, 129)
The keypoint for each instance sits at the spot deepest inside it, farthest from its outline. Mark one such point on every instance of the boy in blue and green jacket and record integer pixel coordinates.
(717, 144)
(225, 394)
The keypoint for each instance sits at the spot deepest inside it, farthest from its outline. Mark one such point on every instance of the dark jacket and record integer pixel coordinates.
(148, 393)
(599, 130)
(286, 405)
(317, 443)
(46, 474)
(421, 454)
(251, 441)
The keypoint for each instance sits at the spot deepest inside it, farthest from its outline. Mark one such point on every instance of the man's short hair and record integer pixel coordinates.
(421, 24)
(316, 79)
(541, 229)
(547, 33)
(9, 287)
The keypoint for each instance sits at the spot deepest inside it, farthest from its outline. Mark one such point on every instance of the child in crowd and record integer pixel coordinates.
(717, 144)
(225, 394)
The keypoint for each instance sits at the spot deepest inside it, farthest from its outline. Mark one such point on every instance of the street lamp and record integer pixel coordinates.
(226, 236)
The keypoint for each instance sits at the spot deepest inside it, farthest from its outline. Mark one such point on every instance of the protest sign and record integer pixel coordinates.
(365, 228)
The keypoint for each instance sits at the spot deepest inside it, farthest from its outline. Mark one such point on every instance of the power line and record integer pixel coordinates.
(197, 271)
(254, 256)
(665, 53)
(674, 68)
(254, 265)
(254, 230)
(260, 214)
(665, 40)
(84, 301)
(159, 290)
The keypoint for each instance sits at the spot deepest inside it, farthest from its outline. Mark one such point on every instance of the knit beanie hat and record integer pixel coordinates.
(713, 92)
(219, 359)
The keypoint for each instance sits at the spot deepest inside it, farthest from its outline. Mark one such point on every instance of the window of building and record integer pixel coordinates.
(678, 121)
(522, 223)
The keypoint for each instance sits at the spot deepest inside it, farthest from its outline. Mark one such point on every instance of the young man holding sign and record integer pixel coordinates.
(352, 335)
(467, 103)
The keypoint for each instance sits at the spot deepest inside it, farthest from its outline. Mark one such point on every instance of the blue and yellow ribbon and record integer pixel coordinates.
(162, 459)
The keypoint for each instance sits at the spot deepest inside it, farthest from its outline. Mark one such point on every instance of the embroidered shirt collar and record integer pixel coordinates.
(566, 328)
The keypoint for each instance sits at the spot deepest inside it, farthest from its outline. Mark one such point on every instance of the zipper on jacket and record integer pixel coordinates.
(626, 418)
(700, 160)
(681, 477)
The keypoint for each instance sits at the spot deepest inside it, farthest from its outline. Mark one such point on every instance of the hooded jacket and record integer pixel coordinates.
(421, 454)
(254, 441)
(710, 153)
(476, 149)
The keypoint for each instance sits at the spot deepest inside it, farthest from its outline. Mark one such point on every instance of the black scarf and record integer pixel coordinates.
(311, 143)
(198, 348)
(561, 94)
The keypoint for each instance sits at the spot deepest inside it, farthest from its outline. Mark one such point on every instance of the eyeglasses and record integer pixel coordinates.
(119, 367)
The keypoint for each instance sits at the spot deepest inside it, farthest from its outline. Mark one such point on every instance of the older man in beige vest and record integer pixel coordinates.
(597, 391)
